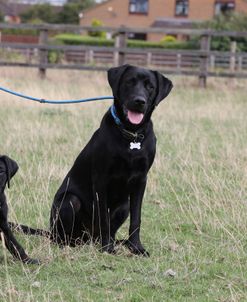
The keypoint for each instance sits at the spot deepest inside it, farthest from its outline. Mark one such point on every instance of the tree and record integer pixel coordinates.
(83, 3)
(45, 13)
(1, 17)
(229, 22)
(71, 10)
(41, 12)
(69, 14)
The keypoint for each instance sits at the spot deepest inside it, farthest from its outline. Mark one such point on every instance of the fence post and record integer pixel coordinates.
(149, 59)
(240, 63)
(28, 55)
(232, 57)
(43, 54)
(90, 56)
(120, 42)
(205, 48)
(116, 54)
(212, 62)
(179, 60)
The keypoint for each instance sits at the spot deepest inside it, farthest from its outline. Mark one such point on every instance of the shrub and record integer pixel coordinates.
(100, 34)
(168, 39)
(54, 56)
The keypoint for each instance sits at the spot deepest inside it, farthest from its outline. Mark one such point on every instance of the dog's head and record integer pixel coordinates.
(8, 168)
(137, 91)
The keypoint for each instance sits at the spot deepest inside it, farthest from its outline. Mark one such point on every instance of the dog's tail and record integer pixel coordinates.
(28, 230)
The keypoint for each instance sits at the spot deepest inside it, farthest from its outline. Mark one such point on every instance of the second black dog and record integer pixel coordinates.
(8, 168)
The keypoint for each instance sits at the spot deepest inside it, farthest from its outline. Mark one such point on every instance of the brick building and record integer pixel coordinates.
(158, 13)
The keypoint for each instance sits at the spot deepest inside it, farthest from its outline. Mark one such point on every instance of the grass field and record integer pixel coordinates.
(194, 214)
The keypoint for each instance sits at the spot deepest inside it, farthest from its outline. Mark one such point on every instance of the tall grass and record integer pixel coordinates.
(194, 213)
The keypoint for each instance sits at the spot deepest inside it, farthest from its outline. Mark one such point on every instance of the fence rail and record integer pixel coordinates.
(201, 62)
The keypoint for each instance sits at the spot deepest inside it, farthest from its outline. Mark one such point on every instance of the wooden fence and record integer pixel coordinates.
(201, 62)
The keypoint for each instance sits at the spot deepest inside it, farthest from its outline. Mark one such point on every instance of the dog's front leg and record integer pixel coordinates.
(103, 216)
(136, 196)
(13, 246)
(9, 240)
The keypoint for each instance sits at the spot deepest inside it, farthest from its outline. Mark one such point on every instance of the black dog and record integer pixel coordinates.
(108, 179)
(8, 168)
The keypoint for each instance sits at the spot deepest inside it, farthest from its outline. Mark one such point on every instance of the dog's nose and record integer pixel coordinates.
(140, 101)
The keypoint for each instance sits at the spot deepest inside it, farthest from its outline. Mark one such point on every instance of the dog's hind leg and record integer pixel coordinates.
(64, 221)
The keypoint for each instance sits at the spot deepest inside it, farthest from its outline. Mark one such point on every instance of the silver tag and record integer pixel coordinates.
(135, 146)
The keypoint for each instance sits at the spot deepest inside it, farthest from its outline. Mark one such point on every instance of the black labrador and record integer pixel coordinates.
(8, 168)
(107, 181)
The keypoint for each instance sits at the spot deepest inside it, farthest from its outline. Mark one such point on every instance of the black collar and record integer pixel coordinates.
(129, 135)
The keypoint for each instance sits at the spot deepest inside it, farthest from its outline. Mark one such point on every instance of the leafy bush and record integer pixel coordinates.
(55, 56)
(100, 34)
(168, 39)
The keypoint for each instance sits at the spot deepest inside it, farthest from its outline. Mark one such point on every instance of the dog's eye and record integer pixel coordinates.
(131, 82)
(149, 86)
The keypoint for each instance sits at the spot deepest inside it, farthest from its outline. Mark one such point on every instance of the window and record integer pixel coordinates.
(138, 7)
(182, 8)
(224, 6)
(137, 36)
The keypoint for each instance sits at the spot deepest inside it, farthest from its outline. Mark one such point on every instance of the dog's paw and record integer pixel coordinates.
(121, 242)
(108, 249)
(32, 261)
(136, 248)
(140, 251)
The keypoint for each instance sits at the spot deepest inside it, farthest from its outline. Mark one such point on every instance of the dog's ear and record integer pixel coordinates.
(114, 76)
(164, 87)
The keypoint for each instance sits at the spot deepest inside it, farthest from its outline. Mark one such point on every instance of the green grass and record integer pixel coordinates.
(194, 212)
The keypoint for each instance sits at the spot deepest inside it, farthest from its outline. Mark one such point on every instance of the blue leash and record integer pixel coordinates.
(55, 101)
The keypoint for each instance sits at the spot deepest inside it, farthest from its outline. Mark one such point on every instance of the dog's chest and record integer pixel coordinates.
(129, 166)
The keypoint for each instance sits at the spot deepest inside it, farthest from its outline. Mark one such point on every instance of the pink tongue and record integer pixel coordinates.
(135, 117)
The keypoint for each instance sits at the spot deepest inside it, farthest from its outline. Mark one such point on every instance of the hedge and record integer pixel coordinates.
(18, 31)
(73, 39)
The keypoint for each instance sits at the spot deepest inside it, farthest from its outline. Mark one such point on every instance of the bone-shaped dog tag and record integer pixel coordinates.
(135, 146)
